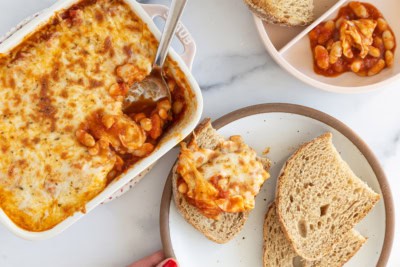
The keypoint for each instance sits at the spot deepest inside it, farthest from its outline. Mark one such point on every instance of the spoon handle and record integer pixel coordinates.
(174, 15)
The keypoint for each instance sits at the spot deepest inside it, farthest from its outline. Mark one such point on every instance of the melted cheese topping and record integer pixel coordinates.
(358, 34)
(225, 179)
(49, 86)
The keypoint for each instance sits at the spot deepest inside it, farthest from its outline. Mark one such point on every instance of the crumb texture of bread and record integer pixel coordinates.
(278, 251)
(283, 12)
(342, 251)
(229, 224)
(319, 198)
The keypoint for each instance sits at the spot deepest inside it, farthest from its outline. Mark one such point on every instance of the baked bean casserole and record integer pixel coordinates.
(358, 40)
(63, 133)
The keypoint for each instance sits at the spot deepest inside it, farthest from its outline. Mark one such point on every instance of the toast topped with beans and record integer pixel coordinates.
(206, 192)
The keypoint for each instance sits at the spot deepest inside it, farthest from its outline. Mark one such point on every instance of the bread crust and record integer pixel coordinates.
(267, 14)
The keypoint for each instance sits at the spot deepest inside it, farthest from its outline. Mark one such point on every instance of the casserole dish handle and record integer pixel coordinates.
(182, 32)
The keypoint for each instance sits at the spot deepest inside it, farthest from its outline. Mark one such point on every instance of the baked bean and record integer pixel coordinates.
(171, 85)
(131, 136)
(324, 36)
(374, 52)
(128, 142)
(378, 42)
(144, 150)
(339, 66)
(163, 114)
(156, 128)
(359, 9)
(382, 24)
(146, 124)
(330, 25)
(322, 57)
(108, 120)
(138, 117)
(336, 52)
(378, 67)
(356, 65)
(389, 58)
(388, 40)
(339, 22)
(85, 138)
(164, 104)
(325, 33)
(93, 151)
(183, 188)
(329, 44)
(114, 89)
(177, 107)
(313, 35)
(118, 89)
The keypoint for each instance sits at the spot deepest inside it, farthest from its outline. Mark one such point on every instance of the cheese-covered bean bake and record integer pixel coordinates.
(63, 133)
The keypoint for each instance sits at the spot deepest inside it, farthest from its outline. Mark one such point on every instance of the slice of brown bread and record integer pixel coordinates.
(230, 224)
(319, 198)
(283, 12)
(278, 251)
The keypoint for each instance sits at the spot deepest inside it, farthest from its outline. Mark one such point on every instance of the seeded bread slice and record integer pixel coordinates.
(230, 224)
(278, 251)
(283, 12)
(319, 198)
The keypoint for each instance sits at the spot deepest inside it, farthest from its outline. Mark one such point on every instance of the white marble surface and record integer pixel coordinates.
(234, 71)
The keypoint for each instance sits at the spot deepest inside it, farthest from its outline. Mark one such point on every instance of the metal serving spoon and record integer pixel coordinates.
(154, 87)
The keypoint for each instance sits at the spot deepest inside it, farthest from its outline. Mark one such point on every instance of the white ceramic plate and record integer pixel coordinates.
(290, 48)
(282, 127)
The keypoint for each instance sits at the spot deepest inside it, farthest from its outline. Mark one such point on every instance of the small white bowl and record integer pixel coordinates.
(290, 47)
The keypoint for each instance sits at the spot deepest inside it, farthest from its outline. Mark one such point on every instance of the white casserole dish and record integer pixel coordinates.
(170, 139)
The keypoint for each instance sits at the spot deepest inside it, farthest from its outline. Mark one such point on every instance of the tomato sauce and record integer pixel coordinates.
(327, 33)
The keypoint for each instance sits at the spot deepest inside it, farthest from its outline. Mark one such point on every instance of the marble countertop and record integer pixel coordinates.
(231, 60)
